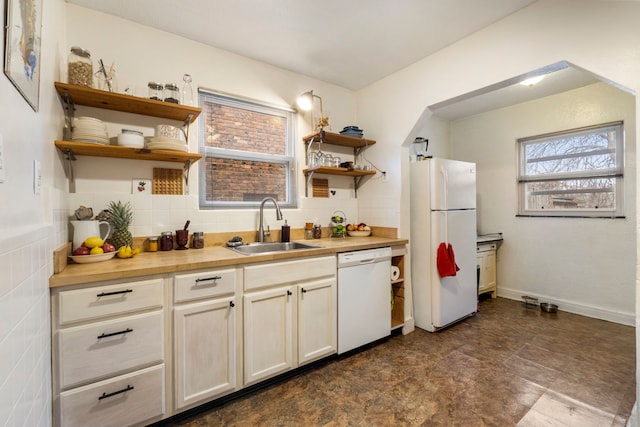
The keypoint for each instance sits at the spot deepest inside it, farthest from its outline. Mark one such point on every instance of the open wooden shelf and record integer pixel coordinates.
(90, 97)
(114, 151)
(338, 139)
(337, 171)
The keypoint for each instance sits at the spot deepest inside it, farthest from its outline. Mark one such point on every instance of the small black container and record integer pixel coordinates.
(285, 232)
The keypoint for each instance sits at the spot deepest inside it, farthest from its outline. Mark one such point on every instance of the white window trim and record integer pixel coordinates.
(618, 172)
(288, 159)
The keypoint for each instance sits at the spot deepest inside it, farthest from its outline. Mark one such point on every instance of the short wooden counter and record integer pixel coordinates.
(150, 263)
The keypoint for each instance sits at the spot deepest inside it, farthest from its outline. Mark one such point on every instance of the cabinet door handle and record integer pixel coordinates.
(289, 292)
(231, 304)
(105, 294)
(206, 279)
(126, 331)
(304, 291)
(124, 390)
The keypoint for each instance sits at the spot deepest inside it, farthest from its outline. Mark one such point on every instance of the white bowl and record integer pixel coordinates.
(130, 138)
(169, 131)
(359, 233)
(86, 259)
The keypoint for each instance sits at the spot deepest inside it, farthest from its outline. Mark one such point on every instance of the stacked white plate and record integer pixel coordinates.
(89, 129)
(164, 143)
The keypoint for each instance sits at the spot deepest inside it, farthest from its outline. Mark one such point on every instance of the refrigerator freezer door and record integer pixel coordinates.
(454, 297)
(459, 180)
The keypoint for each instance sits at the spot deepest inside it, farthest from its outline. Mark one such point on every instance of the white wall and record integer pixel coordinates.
(583, 265)
(143, 54)
(27, 238)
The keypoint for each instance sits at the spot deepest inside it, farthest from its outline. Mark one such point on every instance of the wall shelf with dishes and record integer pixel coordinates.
(72, 95)
(324, 137)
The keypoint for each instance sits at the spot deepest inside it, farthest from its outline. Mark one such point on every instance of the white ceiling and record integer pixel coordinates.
(351, 43)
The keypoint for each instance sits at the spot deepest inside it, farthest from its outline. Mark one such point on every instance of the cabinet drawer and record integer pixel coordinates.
(277, 273)
(485, 247)
(102, 301)
(204, 284)
(101, 349)
(119, 401)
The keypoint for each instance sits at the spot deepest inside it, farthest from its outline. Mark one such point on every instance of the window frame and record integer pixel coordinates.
(288, 159)
(616, 172)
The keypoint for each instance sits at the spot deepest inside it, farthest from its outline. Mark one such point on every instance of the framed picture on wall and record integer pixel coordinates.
(23, 26)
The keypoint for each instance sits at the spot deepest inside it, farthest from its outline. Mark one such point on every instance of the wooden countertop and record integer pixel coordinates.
(150, 263)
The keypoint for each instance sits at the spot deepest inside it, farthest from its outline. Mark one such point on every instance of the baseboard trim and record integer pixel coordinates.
(573, 307)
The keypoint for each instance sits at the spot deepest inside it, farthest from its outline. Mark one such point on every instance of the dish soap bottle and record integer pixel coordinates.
(285, 232)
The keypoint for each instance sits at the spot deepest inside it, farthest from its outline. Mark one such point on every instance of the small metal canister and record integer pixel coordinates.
(155, 91)
(171, 93)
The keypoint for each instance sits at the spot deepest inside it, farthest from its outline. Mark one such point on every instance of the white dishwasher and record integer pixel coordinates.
(364, 297)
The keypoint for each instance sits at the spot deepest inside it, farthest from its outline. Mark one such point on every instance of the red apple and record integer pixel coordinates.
(81, 250)
(108, 247)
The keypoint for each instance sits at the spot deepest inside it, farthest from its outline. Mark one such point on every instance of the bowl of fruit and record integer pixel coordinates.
(93, 249)
(358, 230)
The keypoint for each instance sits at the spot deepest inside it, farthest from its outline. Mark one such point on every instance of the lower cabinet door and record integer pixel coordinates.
(121, 401)
(268, 333)
(317, 314)
(205, 350)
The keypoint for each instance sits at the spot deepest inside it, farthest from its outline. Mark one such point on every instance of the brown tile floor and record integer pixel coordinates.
(506, 366)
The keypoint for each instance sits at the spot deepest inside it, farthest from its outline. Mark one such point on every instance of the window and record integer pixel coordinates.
(248, 153)
(572, 173)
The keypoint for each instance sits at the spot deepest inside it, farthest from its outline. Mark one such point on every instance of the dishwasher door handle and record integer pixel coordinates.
(366, 261)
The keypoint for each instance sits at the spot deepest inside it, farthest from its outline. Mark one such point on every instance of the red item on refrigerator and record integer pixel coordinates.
(446, 260)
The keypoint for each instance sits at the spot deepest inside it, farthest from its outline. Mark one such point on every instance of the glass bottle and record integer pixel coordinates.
(187, 90)
(317, 231)
(80, 67)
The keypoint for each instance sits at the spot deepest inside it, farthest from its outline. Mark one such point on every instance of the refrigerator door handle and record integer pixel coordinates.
(445, 186)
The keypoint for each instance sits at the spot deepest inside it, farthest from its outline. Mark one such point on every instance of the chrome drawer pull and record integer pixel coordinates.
(206, 279)
(104, 294)
(124, 390)
(126, 331)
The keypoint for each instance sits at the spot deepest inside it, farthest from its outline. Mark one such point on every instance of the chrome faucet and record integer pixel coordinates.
(261, 233)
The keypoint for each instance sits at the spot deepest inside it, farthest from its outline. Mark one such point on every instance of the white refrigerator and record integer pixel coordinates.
(443, 210)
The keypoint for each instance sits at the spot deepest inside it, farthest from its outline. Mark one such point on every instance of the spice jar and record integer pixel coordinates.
(197, 240)
(153, 244)
(308, 230)
(80, 67)
(171, 93)
(166, 241)
(317, 231)
(155, 91)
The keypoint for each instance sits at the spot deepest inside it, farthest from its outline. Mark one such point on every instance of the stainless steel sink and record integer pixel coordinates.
(270, 247)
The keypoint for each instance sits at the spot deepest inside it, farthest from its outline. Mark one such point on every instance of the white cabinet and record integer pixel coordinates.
(289, 315)
(268, 333)
(205, 328)
(108, 354)
(486, 260)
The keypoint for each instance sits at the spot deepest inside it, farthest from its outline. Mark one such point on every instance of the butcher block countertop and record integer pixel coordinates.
(151, 263)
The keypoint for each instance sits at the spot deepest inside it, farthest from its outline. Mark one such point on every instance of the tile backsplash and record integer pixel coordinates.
(25, 332)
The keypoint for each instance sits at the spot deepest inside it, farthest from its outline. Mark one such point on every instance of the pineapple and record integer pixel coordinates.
(120, 217)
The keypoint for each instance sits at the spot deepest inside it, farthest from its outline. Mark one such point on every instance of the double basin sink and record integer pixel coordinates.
(270, 247)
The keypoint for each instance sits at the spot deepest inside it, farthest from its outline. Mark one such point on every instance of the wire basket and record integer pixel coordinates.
(338, 224)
